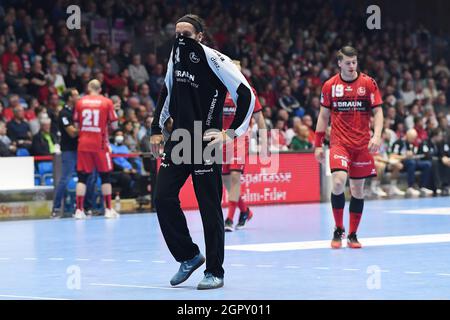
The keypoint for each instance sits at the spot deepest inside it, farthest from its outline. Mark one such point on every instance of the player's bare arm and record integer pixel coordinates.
(264, 151)
(322, 124)
(375, 142)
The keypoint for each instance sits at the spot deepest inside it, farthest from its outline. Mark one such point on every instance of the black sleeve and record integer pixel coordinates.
(156, 129)
(162, 106)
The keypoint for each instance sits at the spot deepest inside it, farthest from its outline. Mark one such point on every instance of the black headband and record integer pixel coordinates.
(197, 25)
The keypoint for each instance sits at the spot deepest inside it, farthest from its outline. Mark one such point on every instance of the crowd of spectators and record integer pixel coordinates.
(286, 48)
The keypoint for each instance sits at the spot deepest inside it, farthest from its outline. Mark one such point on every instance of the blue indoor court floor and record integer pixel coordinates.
(283, 254)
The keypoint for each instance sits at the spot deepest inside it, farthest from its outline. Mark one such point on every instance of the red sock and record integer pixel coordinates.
(80, 202)
(339, 217)
(242, 205)
(107, 199)
(355, 218)
(231, 209)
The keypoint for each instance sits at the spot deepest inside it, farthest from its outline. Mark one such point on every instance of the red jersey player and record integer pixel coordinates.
(234, 162)
(93, 113)
(350, 98)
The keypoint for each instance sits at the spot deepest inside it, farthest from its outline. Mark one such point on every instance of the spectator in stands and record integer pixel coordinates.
(56, 79)
(145, 130)
(83, 64)
(278, 137)
(38, 83)
(289, 103)
(123, 59)
(437, 151)
(430, 90)
(291, 131)
(2, 108)
(269, 94)
(7, 147)
(137, 71)
(407, 93)
(45, 142)
(16, 81)
(27, 55)
(53, 109)
(11, 56)
(414, 113)
(150, 62)
(19, 130)
(407, 152)
(130, 130)
(384, 161)
(308, 122)
(4, 93)
(422, 134)
(72, 80)
(156, 81)
(441, 106)
(125, 170)
(300, 141)
(267, 113)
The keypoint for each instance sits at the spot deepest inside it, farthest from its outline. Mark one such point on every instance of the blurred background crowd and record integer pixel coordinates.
(286, 48)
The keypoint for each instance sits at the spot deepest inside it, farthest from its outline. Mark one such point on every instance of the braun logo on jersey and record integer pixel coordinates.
(184, 74)
(186, 77)
(350, 105)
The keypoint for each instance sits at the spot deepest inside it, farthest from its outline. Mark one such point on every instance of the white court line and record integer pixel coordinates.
(385, 271)
(5, 259)
(108, 260)
(237, 265)
(159, 261)
(325, 244)
(349, 269)
(134, 260)
(82, 259)
(56, 259)
(133, 286)
(413, 272)
(29, 297)
(321, 268)
(292, 267)
(443, 274)
(444, 211)
(264, 265)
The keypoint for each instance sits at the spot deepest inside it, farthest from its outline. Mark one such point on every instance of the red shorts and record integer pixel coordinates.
(88, 161)
(237, 157)
(359, 164)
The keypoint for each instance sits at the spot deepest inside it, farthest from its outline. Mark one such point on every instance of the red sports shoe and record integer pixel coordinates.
(336, 242)
(244, 217)
(352, 241)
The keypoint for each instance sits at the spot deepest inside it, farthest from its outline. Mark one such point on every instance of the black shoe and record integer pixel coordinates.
(244, 217)
(56, 214)
(229, 225)
(336, 242)
(187, 268)
(210, 282)
(352, 241)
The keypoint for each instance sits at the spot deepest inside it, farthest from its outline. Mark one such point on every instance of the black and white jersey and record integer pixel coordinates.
(196, 84)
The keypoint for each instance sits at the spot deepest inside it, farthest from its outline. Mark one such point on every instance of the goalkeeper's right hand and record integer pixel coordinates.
(155, 143)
